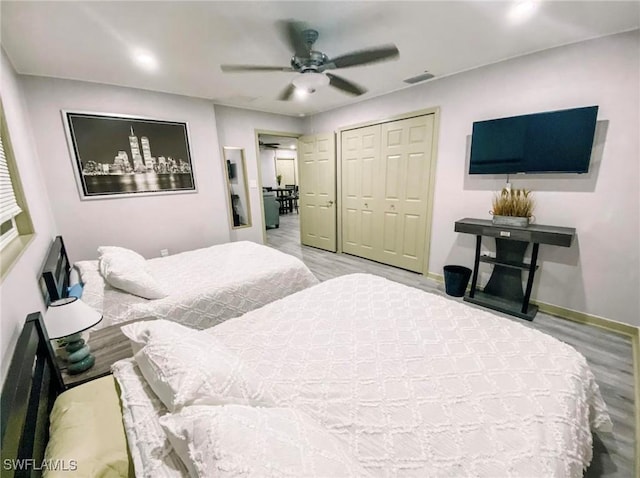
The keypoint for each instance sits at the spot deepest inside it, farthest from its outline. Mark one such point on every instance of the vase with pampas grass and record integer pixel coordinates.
(513, 207)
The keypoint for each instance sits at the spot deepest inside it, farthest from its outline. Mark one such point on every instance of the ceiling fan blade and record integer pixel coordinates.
(292, 32)
(345, 85)
(363, 57)
(287, 93)
(249, 68)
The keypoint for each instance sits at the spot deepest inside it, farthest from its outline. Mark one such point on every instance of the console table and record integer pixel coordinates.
(504, 290)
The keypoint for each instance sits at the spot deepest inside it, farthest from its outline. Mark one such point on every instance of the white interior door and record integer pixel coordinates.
(317, 174)
(406, 162)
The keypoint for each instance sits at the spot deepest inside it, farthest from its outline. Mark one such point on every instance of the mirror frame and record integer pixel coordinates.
(245, 184)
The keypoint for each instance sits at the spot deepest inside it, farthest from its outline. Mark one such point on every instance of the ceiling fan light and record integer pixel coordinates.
(310, 81)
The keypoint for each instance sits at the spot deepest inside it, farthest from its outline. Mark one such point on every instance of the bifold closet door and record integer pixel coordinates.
(406, 161)
(360, 167)
(385, 180)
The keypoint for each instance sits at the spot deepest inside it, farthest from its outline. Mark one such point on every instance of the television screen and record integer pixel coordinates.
(551, 142)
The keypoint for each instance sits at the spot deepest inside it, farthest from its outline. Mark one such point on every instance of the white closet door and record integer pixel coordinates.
(360, 167)
(406, 162)
(317, 173)
(386, 170)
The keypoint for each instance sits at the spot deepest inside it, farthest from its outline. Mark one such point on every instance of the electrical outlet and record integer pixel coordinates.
(164, 252)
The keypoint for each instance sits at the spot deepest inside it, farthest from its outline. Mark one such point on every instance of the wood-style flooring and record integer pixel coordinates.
(609, 354)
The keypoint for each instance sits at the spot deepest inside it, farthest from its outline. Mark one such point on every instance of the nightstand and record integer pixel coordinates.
(108, 345)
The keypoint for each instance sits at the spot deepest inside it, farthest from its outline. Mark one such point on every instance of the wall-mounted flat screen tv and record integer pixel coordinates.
(550, 142)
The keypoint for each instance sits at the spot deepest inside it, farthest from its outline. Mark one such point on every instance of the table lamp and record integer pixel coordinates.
(66, 319)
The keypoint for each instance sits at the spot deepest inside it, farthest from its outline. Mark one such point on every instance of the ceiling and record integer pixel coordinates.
(188, 41)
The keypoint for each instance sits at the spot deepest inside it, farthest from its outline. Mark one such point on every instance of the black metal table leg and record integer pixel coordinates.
(532, 272)
(476, 264)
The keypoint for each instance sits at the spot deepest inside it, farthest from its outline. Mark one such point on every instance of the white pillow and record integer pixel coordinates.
(133, 255)
(240, 441)
(141, 332)
(129, 273)
(195, 368)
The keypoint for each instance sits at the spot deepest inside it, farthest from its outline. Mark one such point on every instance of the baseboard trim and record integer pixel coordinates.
(612, 325)
(588, 319)
(436, 277)
(569, 314)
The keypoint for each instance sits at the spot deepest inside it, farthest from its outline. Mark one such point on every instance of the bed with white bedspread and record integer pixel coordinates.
(205, 286)
(414, 384)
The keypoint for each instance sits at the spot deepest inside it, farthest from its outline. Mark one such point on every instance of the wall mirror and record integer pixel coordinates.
(237, 187)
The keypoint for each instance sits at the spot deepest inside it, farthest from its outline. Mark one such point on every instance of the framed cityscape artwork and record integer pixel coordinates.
(116, 156)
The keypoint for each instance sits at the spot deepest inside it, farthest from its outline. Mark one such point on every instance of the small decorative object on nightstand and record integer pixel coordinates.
(66, 319)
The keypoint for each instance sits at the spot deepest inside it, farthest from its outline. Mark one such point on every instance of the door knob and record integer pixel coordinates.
(330, 203)
(393, 207)
(366, 205)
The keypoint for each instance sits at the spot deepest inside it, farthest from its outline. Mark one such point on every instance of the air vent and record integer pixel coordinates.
(417, 79)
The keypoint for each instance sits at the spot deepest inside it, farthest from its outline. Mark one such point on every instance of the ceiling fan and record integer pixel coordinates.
(312, 65)
(269, 145)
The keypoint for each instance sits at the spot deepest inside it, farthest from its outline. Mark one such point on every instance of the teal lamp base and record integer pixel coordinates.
(79, 356)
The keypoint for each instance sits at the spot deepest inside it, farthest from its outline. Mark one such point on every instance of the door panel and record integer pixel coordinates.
(317, 174)
(406, 151)
(414, 189)
(389, 226)
(368, 231)
(392, 177)
(411, 236)
(360, 158)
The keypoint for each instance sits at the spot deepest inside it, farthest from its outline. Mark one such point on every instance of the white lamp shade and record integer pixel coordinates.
(69, 316)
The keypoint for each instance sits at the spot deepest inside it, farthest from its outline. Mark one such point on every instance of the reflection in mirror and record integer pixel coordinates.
(238, 190)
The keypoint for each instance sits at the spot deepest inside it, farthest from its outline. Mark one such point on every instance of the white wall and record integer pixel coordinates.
(268, 165)
(146, 224)
(236, 127)
(599, 273)
(19, 291)
(288, 154)
(268, 168)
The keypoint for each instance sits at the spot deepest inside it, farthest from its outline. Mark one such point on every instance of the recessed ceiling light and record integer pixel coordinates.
(301, 114)
(293, 146)
(145, 60)
(521, 10)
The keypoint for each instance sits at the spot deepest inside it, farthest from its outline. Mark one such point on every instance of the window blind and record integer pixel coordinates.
(8, 205)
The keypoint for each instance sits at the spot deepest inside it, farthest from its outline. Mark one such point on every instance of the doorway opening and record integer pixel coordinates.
(278, 160)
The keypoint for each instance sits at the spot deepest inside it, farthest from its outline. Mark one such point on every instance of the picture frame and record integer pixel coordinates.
(126, 156)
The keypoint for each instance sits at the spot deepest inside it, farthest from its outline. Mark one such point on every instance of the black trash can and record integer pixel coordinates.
(456, 279)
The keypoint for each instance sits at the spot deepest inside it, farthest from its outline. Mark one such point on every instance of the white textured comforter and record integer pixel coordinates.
(420, 385)
(207, 286)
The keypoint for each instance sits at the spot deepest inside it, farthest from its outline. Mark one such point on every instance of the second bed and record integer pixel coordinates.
(205, 286)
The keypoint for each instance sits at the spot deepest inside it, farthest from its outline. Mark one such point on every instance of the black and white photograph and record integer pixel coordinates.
(125, 156)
